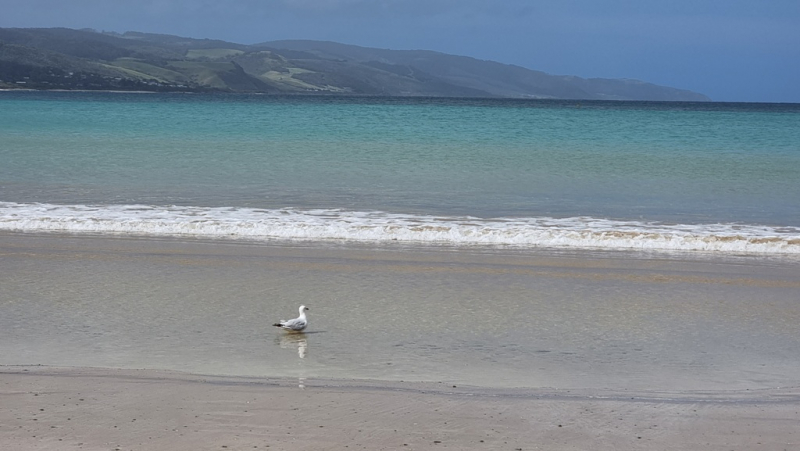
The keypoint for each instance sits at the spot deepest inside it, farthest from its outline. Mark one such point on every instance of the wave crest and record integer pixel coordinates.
(290, 224)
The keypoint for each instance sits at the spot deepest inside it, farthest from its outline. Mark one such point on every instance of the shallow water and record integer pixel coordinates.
(480, 317)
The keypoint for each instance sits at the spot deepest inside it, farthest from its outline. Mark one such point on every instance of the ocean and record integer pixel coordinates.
(610, 246)
(707, 177)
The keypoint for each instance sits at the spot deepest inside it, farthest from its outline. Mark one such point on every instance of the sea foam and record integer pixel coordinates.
(378, 227)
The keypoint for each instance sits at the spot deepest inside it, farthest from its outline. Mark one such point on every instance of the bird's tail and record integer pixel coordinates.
(278, 325)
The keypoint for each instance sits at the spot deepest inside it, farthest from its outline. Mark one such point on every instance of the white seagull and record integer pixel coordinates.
(297, 324)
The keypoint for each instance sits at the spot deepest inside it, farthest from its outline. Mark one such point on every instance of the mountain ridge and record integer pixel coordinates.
(63, 58)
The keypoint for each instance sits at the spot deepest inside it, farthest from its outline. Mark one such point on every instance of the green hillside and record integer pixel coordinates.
(61, 58)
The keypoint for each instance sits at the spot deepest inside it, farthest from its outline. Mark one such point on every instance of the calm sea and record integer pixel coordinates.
(712, 177)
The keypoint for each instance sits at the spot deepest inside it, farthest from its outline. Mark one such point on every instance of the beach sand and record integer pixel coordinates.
(137, 344)
(106, 409)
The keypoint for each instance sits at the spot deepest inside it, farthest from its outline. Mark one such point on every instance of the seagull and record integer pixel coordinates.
(297, 324)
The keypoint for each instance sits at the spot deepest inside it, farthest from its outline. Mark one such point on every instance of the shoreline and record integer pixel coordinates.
(571, 320)
(745, 396)
(92, 408)
(578, 257)
(684, 353)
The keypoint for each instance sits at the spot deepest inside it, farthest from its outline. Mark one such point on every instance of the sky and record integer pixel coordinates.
(729, 50)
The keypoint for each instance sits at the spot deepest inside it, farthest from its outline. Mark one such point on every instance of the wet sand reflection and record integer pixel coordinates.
(294, 340)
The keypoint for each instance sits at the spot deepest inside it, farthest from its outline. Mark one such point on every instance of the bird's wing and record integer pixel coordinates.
(295, 324)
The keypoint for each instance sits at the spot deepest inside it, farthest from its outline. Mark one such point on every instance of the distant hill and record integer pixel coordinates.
(61, 58)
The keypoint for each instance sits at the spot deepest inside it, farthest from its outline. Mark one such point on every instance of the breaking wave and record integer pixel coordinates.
(378, 227)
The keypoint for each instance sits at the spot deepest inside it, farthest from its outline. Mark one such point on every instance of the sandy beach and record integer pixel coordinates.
(102, 409)
(136, 344)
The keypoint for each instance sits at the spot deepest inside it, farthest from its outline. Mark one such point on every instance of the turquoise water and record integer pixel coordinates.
(508, 165)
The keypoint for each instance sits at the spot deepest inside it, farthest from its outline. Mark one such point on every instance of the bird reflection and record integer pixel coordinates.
(299, 340)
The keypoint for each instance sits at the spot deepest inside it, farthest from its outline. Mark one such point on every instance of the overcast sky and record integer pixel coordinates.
(730, 50)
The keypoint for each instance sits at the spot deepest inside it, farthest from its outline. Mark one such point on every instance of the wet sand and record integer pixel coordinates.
(485, 317)
(102, 409)
(126, 343)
